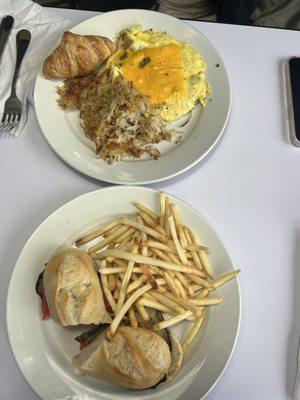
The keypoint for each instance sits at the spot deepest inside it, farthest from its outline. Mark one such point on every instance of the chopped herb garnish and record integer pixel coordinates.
(123, 56)
(144, 62)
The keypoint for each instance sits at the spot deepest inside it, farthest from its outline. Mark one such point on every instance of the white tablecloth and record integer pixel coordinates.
(248, 189)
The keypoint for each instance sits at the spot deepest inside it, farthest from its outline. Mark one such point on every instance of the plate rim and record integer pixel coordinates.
(90, 173)
(86, 194)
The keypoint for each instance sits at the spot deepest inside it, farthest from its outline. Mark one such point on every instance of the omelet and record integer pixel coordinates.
(170, 72)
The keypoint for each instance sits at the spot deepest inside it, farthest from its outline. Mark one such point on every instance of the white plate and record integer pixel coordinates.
(43, 349)
(63, 132)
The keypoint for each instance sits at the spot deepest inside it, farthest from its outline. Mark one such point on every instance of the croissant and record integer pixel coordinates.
(77, 55)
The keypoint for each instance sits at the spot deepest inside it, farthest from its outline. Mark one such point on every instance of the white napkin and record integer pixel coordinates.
(45, 28)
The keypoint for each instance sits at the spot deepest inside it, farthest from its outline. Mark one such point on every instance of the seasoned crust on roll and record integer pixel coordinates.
(73, 290)
(133, 358)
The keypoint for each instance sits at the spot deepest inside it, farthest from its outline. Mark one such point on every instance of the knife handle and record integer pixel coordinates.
(5, 28)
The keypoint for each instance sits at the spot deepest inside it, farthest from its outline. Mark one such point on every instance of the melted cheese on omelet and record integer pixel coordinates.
(170, 72)
(156, 72)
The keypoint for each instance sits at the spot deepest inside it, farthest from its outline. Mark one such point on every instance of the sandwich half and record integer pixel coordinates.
(70, 290)
(133, 358)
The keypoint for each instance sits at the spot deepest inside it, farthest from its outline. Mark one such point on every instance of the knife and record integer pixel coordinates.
(5, 28)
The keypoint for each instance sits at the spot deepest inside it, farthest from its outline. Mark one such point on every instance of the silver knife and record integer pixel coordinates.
(5, 28)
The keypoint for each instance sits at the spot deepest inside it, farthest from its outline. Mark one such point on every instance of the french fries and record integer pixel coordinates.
(149, 276)
(152, 232)
(146, 210)
(127, 276)
(163, 299)
(171, 321)
(154, 262)
(171, 283)
(132, 318)
(176, 242)
(166, 216)
(107, 292)
(202, 255)
(119, 316)
(97, 232)
(186, 304)
(125, 255)
(136, 283)
(194, 254)
(207, 301)
(180, 288)
(152, 223)
(127, 234)
(142, 311)
(108, 240)
(192, 333)
(179, 229)
(161, 246)
(162, 202)
(225, 278)
(154, 304)
(204, 293)
(111, 282)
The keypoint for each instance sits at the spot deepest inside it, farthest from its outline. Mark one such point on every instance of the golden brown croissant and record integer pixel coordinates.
(77, 55)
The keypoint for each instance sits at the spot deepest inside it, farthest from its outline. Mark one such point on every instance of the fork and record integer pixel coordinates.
(13, 107)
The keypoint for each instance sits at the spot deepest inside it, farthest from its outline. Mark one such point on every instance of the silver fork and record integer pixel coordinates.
(13, 107)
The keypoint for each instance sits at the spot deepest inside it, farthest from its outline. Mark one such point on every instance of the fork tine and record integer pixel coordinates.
(7, 122)
(4, 118)
(10, 120)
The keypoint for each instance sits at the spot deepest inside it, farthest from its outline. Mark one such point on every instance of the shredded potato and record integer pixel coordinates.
(119, 119)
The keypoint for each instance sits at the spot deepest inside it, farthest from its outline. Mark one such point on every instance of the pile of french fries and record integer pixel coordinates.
(154, 261)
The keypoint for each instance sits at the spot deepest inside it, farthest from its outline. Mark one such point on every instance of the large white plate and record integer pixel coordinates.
(62, 129)
(43, 349)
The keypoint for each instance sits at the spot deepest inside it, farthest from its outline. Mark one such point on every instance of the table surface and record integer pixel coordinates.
(247, 189)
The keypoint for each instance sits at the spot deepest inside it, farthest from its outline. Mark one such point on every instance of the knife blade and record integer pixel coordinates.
(5, 28)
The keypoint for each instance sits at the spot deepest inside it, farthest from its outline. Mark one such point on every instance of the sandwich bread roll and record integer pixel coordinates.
(133, 358)
(176, 357)
(72, 289)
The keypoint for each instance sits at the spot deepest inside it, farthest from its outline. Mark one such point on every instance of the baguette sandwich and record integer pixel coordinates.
(132, 358)
(70, 290)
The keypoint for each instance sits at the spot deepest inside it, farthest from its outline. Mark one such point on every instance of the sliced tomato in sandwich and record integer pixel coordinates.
(45, 308)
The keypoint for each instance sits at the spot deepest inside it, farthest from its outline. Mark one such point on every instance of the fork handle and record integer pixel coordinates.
(5, 28)
(23, 40)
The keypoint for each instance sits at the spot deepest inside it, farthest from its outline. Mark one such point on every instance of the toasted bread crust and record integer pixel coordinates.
(134, 359)
(62, 276)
